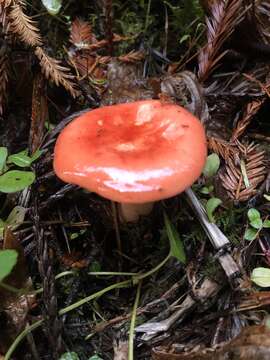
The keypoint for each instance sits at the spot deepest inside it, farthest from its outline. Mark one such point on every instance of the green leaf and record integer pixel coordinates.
(8, 259)
(253, 214)
(184, 38)
(3, 158)
(207, 189)
(16, 217)
(36, 155)
(16, 180)
(20, 159)
(261, 276)
(250, 234)
(53, 6)
(266, 223)
(211, 206)
(95, 266)
(257, 224)
(69, 356)
(267, 197)
(212, 165)
(95, 357)
(77, 234)
(176, 245)
(2, 227)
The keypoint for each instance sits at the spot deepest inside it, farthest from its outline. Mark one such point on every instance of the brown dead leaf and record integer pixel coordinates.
(14, 306)
(74, 260)
(39, 112)
(255, 300)
(253, 343)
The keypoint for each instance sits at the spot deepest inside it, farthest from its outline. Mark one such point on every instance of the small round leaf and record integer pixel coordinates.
(212, 165)
(253, 214)
(3, 158)
(16, 180)
(211, 206)
(261, 276)
(250, 234)
(20, 159)
(53, 6)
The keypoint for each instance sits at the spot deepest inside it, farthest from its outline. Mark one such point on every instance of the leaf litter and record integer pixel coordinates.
(198, 302)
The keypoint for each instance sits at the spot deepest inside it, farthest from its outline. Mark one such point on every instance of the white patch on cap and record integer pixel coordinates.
(136, 181)
(125, 147)
(144, 114)
(124, 180)
(100, 122)
(172, 132)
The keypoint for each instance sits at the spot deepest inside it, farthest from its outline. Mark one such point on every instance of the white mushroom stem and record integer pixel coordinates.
(132, 212)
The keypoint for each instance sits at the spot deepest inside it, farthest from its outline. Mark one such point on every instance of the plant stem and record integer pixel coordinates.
(111, 273)
(132, 323)
(63, 311)
(126, 283)
(152, 271)
(83, 301)
(20, 337)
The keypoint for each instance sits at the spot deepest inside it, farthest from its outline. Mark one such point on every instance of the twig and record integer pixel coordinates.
(217, 238)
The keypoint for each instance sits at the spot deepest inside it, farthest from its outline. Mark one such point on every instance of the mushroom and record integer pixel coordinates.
(133, 153)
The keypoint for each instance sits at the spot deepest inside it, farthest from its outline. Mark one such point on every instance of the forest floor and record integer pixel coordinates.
(76, 282)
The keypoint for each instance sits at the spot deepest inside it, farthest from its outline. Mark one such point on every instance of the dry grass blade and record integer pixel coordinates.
(4, 72)
(24, 26)
(55, 72)
(243, 174)
(224, 17)
(81, 33)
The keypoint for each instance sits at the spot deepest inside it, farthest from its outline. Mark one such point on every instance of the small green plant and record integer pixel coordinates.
(8, 259)
(256, 224)
(52, 6)
(210, 169)
(210, 207)
(16, 180)
(261, 276)
(69, 356)
(14, 219)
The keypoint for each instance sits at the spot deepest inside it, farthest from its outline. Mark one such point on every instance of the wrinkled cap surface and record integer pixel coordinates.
(132, 153)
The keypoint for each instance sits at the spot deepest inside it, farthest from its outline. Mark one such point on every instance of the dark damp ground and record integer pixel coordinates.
(137, 50)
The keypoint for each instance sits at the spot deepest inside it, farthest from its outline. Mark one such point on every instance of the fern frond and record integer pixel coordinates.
(225, 15)
(252, 108)
(221, 147)
(5, 3)
(4, 74)
(59, 74)
(81, 34)
(24, 26)
(132, 56)
(243, 174)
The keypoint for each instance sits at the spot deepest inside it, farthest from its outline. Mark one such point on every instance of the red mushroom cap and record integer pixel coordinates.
(132, 153)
